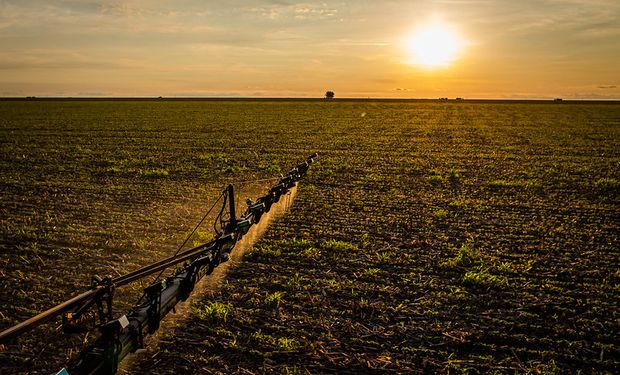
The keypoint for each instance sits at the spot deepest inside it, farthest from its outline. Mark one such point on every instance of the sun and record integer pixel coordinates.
(434, 45)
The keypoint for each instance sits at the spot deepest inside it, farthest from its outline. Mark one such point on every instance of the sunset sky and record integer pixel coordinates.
(488, 48)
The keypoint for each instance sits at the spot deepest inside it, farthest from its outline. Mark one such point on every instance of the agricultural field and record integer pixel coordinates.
(428, 237)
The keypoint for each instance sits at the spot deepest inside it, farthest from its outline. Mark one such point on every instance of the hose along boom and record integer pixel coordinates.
(126, 334)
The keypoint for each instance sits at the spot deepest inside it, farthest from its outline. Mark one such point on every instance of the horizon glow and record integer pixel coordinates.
(495, 49)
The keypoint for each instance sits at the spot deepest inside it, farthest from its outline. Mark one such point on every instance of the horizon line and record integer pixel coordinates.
(300, 98)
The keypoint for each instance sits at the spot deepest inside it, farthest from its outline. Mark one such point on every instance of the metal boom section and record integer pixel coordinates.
(126, 334)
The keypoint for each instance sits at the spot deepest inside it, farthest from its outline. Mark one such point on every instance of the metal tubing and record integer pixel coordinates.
(231, 202)
(47, 315)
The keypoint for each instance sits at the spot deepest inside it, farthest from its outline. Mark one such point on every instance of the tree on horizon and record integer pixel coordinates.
(329, 95)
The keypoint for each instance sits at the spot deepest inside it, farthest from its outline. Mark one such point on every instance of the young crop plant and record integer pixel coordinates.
(274, 299)
(371, 271)
(497, 184)
(278, 343)
(294, 282)
(338, 246)
(457, 205)
(311, 253)
(454, 176)
(458, 293)
(266, 251)
(441, 214)
(300, 244)
(506, 267)
(233, 169)
(365, 240)
(483, 279)
(383, 257)
(465, 257)
(435, 179)
(269, 168)
(217, 158)
(607, 184)
(215, 312)
(582, 170)
(287, 344)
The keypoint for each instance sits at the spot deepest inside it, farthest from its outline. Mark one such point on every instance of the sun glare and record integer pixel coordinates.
(433, 46)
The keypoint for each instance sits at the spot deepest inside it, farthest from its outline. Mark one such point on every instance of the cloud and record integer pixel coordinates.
(300, 11)
(607, 86)
(124, 9)
(358, 43)
(503, 18)
(601, 31)
(44, 58)
(55, 59)
(80, 18)
(585, 20)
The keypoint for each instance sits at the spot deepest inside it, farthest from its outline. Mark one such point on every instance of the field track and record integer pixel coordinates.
(428, 237)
